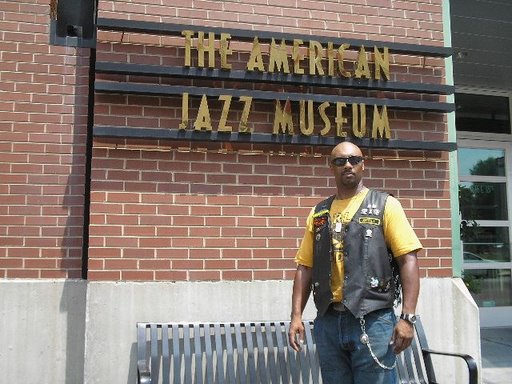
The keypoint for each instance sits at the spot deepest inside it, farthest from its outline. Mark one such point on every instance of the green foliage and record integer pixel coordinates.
(473, 284)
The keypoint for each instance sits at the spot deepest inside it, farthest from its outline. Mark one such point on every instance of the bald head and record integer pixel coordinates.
(346, 149)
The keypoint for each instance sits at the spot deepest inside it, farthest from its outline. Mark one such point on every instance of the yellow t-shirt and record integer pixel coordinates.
(399, 235)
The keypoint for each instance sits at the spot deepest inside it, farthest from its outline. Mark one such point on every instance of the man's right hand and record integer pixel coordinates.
(296, 334)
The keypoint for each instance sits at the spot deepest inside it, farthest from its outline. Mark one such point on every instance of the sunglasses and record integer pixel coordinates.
(341, 161)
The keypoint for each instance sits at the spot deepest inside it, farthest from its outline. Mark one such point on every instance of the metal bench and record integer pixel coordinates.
(253, 353)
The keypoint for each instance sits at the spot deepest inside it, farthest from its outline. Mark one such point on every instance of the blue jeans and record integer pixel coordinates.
(344, 359)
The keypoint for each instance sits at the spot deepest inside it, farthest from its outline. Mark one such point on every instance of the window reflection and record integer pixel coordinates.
(483, 201)
(485, 244)
(482, 113)
(481, 162)
(489, 287)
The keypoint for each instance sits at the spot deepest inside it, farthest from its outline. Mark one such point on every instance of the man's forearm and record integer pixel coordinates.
(410, 277)
(301, 290)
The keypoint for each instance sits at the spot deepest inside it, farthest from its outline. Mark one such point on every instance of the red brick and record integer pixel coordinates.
(237, 275)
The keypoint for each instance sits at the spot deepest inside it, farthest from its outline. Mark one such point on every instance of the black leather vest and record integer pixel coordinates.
(370, 277)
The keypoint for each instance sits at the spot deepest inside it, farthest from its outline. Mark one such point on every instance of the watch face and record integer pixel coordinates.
(410, 318)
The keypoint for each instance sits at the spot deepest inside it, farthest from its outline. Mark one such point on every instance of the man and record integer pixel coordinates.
(355, 245)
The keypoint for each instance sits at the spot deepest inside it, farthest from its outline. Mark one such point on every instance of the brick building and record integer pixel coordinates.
(132, 189)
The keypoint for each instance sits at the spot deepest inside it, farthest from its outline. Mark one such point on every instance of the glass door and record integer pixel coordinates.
(484, 141)
(484, 190)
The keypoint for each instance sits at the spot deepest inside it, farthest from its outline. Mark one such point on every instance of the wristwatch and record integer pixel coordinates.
(411, 318)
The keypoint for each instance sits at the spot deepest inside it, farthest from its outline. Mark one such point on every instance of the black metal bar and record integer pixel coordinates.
(279, 78)
(150, 27)
(166, 90)
(427, 360)
(88, 165)
(264, 138)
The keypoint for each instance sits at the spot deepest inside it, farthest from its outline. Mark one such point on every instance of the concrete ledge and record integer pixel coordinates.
(42, 331)
(451, 320)
(84, 332)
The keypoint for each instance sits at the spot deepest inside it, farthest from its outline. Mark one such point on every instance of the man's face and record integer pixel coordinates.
(347, 166)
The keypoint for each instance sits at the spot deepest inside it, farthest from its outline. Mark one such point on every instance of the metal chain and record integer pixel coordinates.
(366, 340)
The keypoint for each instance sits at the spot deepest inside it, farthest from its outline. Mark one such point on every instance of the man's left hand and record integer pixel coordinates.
(402, 336)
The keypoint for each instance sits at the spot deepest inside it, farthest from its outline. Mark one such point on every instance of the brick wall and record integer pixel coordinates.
(193, 211)
(43, 111)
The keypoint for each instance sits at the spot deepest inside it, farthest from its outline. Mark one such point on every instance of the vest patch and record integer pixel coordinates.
(319, 222)
(320, 219)
(369, 220)
(322, 212)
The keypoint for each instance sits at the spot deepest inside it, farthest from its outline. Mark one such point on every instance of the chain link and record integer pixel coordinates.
(366, 340)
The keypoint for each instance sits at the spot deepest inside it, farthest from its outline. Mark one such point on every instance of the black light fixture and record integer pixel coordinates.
(73, 23)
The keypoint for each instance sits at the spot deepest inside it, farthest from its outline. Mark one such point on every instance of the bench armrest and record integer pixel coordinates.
(143, 374)
(470, 362)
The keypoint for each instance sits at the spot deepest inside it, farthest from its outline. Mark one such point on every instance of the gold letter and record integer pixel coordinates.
(203, 119)
(224, 114)
(340, 120)
(225, 51)
(188, 46)
(380, 125)
(184, 112)
(306, 130)
(278, 57)
(341, 64)
(244, 126)
(325, 119)
(359, 130)
(315, 58)
(201, 49)
(297, 57)
(330, 59)
(256, 60)
(362, 69)
(381, 63)
(283, 118)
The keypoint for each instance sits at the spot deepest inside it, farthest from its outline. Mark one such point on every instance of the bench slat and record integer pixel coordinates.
(166, 364)
(282, 351)
(198, 357)
(176, 353)
(219, 375)
(262, 367)
(312, 355)
(209, 354)
(240, 352)
(420, 371)
(230, 353)
(155, 357)
(187, 355)
(251, 363)
(271, 357)
(293, 359)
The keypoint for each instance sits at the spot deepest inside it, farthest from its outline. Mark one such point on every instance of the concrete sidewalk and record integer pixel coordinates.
(496, 355)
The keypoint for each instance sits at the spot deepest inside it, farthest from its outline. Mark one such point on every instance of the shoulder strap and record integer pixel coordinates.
(324, 206)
